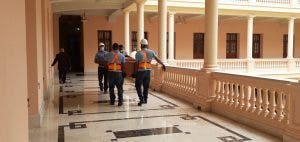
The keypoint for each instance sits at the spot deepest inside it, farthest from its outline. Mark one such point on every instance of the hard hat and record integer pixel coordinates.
(144, 42)
(101, 44)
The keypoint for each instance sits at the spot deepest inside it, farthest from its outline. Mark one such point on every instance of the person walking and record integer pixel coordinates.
(64, 65)
(143, 59)
(102, 67)
(116, 62)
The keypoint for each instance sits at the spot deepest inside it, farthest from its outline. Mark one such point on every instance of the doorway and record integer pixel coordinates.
(71, 38)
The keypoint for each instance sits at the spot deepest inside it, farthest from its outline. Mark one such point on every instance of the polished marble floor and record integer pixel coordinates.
(79, 112)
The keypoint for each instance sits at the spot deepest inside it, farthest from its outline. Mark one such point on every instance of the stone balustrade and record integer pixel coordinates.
(272, 65)
(266, 104)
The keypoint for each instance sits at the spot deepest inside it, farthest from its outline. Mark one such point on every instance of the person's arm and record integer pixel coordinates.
(55, 61)
(123, 67)
(95, 59)
(160, 62)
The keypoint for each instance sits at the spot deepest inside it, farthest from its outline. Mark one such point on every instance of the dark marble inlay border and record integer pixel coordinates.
(146, 132)
(61, 132)
(107, 101)
(230, 139)
(243, 138)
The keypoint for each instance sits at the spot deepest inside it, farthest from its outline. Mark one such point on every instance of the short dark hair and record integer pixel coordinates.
(144, 46)
(115, 46)
(121, 46)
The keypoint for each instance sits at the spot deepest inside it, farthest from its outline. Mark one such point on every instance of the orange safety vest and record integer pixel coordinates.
(115, 64)
(145, 64)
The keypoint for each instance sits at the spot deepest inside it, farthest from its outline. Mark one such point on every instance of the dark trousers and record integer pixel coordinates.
(142, 78)
(115, 79)
(102, 74)
(62, 75)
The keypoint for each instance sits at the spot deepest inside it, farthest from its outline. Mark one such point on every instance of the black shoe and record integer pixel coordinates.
(120, 104)
(112, 103)
(105, 92)
(145, 101)
(140, 103)
(101, 88)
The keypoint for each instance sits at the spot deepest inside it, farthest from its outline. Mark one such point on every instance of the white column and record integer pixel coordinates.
(171, 35)
(250, 37)
(126, 31)
(291, 38)
(211, 35)
(162, 10)
(140, 13)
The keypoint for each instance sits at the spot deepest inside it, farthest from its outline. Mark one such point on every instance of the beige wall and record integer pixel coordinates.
(35, 61)
(32, 73)
(13, 72)
(272, 33)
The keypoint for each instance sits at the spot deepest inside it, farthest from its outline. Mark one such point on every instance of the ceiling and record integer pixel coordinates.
(90, 7)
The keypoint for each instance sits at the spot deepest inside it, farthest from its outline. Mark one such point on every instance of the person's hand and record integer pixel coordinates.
(163, 67)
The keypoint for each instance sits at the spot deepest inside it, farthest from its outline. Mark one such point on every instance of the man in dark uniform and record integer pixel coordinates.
(102, 68)
(143, 59)
(64, 65)
(115, 61)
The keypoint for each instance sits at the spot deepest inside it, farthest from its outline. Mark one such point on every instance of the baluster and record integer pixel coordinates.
(218, 90)
(222, 92)
(232, 92)
(186, 84)
(266, 102)
(259, 102)
(253, 99)
(286, 110)
(226, 93)
(236, 97)
(279, 106)
(272, 105)
(178, 82)
(242, 97)
(247, 98)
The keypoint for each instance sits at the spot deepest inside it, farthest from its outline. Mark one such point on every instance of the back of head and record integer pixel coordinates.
(115, 46)
(61, 49)
(144, 43)
(101, 47)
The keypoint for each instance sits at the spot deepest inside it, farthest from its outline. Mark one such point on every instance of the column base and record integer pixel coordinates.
(210, 68)
(250, 65)
(291, 64)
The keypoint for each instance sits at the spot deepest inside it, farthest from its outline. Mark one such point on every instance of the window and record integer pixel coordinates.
(256, 46)
(105, 37)
(198, 46)
(231, 45)
(134, 42)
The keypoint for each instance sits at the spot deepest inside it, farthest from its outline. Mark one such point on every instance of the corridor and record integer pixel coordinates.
(77, 112)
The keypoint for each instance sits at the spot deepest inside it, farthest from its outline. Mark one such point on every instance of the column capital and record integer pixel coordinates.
(171, 13)
(140, 1)
(251, 16)
(291, 18)
(126, 11)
